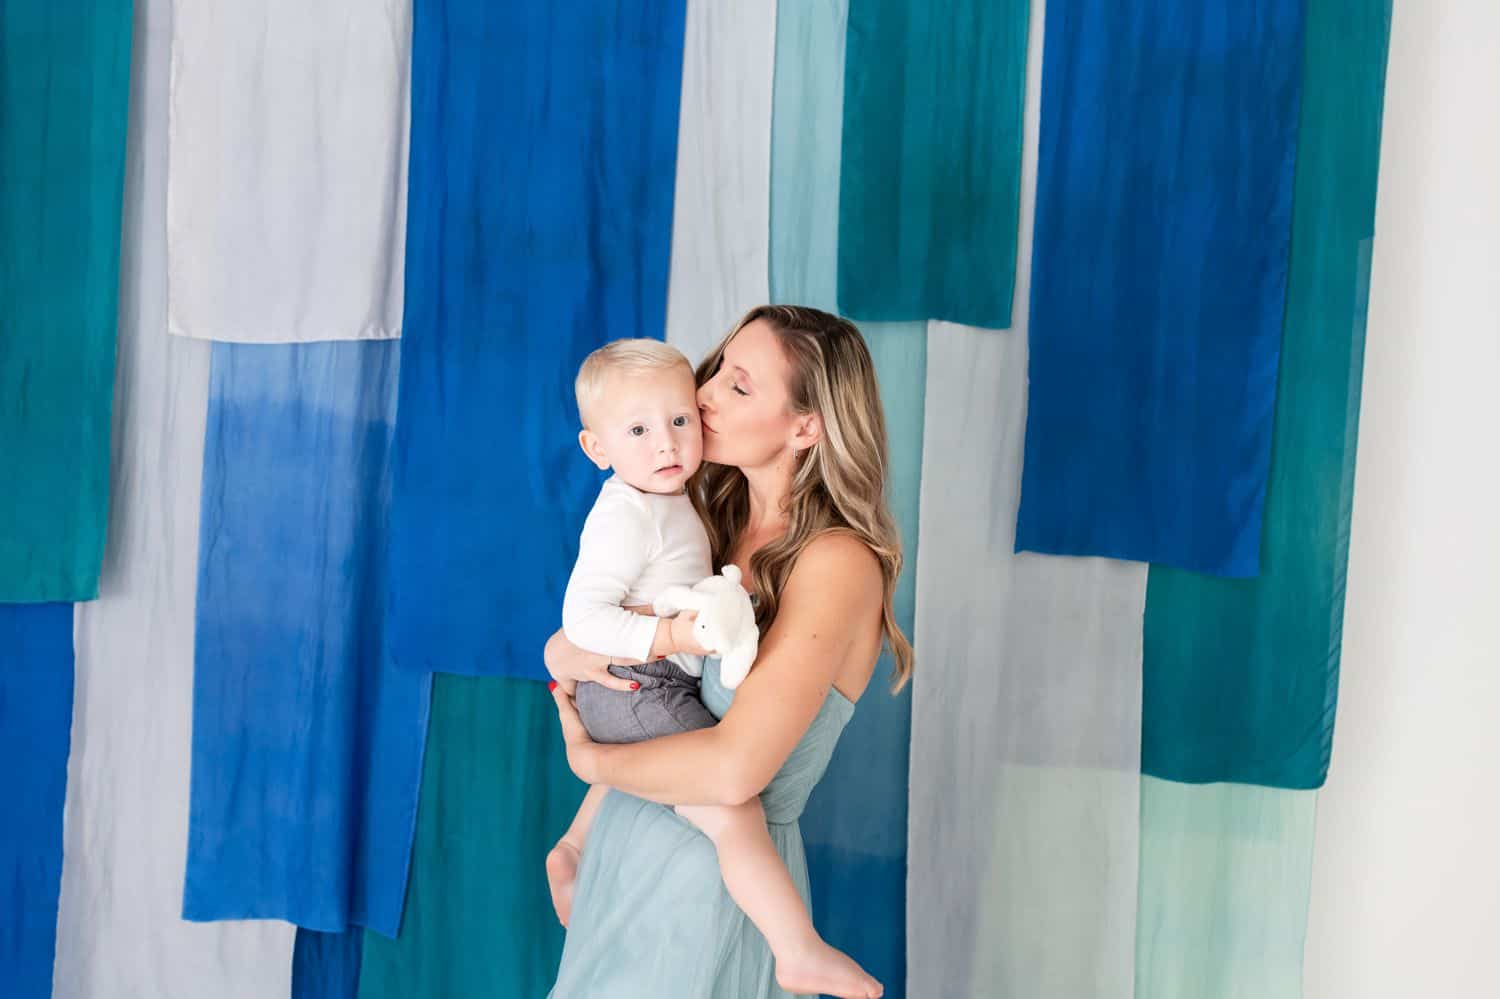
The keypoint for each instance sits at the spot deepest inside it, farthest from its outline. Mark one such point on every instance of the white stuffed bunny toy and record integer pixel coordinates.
(725, 624)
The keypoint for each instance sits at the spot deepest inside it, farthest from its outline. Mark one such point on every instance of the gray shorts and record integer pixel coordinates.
(666, 704)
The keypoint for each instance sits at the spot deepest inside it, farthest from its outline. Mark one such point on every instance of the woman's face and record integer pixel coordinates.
(745, 406)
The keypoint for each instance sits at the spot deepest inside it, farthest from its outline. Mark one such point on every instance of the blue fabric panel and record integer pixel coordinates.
(326, 965)
(36, 717)
(1163, 215)
(543, 154)
(307, 741)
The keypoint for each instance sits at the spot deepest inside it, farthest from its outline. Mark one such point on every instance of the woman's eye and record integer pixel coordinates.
(637, 431)
(680, 421)
(740, 390)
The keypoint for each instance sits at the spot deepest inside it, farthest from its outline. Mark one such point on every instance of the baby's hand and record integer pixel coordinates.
(683, 637)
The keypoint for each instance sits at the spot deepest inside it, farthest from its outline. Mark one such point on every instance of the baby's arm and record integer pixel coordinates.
(617, 543)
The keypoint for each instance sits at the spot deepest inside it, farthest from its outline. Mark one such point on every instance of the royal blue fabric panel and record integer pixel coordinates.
(326, 965)
(1163, 215)
(36, 717)
(307, 741)
(543, 153)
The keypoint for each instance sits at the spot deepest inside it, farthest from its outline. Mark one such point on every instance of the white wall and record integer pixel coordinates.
(1406, 881)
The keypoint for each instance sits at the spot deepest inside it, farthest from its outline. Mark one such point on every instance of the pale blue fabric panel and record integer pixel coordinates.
(855, 825)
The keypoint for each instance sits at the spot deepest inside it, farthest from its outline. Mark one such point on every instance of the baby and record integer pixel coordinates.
(637, 400)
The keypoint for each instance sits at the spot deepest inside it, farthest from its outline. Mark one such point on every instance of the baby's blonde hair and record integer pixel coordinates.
(624, 357)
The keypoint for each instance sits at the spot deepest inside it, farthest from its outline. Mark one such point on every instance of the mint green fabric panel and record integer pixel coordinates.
(855, 824)
(1241, 676)
(64, 89)
(929, 194)
(1225, 876)
(496, 794)
(807, 108)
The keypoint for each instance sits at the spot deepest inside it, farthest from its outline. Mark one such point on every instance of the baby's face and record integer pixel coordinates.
(646, 428)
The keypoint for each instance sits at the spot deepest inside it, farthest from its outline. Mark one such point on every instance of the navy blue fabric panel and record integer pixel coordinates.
(36, 717)
(543, 158)
(1167, 147)
(326, 965)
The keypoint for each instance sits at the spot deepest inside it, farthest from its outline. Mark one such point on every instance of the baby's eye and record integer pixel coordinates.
(740, 390)
(680, 421)
(637, 430)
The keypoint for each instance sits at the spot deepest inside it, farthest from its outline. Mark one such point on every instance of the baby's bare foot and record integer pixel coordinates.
(562, 871)
(823, 970)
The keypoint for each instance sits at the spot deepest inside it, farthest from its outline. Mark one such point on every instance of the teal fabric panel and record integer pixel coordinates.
(496, 794)
(1225, 877)
(1241, 676)
(930, 180)
(64, 88)
(854, 829)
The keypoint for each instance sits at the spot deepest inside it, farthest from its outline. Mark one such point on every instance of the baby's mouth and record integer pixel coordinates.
(668, 469)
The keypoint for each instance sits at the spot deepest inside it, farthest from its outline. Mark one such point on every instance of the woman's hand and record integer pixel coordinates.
(569, 665)
(576, 739)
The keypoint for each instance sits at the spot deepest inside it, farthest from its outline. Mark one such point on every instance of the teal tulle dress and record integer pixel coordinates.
(651, 918)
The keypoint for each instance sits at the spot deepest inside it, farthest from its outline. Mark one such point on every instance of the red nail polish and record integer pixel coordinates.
(634, 685)
(551, 685)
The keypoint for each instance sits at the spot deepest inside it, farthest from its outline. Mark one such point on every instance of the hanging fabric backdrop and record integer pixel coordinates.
(1111, 261)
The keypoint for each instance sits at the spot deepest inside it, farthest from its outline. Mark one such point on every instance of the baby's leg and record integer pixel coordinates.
(761, 885)
(562, 862)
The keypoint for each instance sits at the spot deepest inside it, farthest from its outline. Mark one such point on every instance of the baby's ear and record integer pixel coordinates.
(589, 441)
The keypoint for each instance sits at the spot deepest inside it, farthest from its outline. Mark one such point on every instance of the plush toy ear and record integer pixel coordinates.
(732, 573)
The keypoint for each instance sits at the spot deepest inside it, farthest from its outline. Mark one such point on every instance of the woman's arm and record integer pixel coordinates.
(570, 664)
(831, 598)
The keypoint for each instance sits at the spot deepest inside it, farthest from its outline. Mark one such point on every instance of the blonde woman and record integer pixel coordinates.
(792, 490)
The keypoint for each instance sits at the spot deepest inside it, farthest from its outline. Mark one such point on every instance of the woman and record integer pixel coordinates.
(792, 491)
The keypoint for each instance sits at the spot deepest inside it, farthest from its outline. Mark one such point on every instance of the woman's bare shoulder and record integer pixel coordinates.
(841, 557)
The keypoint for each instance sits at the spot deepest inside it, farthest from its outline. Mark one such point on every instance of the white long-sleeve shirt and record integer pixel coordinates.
(634, 545)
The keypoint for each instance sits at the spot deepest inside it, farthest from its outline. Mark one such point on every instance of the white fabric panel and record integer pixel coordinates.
(286, 196)
(721, 210)
(1026, 714)
(119, 932)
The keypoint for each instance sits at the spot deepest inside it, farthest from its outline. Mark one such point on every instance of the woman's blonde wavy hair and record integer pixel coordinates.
(839, 485)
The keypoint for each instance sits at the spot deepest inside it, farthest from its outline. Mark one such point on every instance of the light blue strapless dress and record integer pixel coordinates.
(651, 916)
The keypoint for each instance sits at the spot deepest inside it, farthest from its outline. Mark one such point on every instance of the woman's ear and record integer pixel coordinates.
(806, 431)
(589, 441)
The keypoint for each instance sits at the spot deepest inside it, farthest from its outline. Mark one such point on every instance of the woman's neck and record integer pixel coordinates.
(769, 487)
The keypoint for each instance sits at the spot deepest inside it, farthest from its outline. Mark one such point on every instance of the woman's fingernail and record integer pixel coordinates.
(551, 685)
(634, 685)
